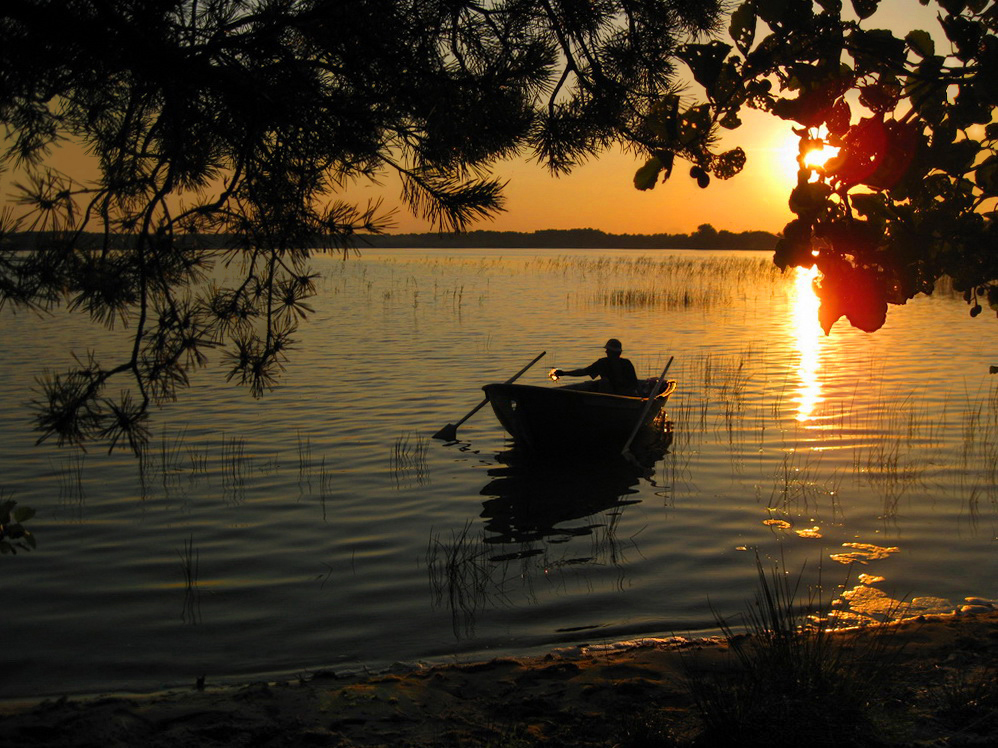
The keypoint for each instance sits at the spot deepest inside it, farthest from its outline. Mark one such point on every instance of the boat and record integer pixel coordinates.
(573, 419)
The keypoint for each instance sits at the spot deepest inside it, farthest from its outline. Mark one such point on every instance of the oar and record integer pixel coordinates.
(626, 451)
(449, 432)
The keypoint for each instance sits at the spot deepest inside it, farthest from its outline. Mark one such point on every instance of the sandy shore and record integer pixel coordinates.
(585, 696)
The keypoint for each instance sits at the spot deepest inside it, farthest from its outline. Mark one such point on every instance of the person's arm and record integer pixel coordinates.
(571, 373)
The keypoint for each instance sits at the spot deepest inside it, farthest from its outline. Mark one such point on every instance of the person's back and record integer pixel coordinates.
(616, 374)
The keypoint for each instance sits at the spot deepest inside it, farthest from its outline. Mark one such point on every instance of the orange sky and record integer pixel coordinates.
(601, 195)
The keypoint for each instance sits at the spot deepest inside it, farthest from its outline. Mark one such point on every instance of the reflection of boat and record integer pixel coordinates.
(571, 419)
(554, 500)
(543, 517)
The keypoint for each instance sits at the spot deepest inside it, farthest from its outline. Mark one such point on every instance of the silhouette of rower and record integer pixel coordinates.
(616, 374)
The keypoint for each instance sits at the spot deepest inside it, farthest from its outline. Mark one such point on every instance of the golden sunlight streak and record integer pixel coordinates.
(808, 335)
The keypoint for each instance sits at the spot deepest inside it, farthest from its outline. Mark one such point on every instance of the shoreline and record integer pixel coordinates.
(592, 695)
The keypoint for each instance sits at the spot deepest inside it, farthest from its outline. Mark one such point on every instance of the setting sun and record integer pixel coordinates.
(818, 157)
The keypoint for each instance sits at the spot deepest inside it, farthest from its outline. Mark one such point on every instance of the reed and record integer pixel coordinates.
(190, 563)
(462, 577)
(198, 461)
(408, 460)
(304, 460)
(797, 483)
(170, 450)
(71, 489)
(234, 467)
(327, 482)
(899, 453)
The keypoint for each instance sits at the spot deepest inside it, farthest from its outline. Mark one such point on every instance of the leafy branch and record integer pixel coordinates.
(910, 196)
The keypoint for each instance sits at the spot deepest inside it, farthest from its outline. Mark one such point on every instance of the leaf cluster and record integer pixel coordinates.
(248, 118)
(13, 534)
(911, 195)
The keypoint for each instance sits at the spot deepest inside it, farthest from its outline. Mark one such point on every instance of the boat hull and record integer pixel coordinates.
(564, 419)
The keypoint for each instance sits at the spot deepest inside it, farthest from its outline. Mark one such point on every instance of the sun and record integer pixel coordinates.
(787, 150)
(818, 157)
(777, 150)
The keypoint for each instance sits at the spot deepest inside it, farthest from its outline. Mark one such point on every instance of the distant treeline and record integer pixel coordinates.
(705, 237)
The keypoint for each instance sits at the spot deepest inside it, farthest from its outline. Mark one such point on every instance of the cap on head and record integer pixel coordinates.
(613, 345)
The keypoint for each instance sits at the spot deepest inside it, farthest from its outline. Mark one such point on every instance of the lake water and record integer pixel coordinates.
(323, 528)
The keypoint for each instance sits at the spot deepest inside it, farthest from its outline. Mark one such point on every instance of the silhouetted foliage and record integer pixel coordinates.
(245, 118)
(13, 534)
(910, 196)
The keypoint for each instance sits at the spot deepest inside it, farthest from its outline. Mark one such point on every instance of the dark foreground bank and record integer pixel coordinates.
(941, 692)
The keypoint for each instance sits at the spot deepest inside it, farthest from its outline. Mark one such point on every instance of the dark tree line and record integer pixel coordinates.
(705, 238)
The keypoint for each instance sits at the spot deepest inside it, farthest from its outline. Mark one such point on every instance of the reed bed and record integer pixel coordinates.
(895, 439)
(475, 571)
(726, 398)
(676, 283)
(629, 282)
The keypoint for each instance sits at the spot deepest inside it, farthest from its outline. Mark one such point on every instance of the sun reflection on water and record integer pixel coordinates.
(809, 339)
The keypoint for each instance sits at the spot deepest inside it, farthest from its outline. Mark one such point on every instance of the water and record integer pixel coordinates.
(322, 528)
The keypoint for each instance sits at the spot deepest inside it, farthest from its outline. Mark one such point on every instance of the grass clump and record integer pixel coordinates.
(792, 680)
(969, 702)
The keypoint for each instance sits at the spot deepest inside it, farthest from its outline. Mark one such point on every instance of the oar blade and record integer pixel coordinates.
(448, 433)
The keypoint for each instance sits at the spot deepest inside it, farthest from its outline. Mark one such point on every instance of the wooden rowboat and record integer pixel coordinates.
(571, 419)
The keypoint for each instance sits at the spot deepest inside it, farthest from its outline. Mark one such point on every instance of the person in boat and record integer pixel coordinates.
(616, 374)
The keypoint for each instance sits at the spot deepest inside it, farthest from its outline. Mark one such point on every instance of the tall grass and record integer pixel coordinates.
(791, 680)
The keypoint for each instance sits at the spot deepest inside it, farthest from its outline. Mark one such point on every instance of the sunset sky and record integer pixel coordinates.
(601, 195)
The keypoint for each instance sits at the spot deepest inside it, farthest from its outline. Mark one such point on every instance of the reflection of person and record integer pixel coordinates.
(616, 374)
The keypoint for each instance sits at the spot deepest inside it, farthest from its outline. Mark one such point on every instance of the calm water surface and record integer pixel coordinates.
(323, 528)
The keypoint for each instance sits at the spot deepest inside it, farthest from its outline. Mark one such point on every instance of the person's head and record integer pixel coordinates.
(613, 347)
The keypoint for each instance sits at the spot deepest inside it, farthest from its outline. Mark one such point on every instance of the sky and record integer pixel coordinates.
(600, 194)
